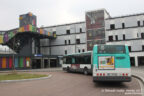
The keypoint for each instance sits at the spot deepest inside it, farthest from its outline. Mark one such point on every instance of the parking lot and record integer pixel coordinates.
(69, 84)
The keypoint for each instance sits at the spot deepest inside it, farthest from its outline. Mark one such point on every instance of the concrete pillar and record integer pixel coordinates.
(42, 63)
(136, 61)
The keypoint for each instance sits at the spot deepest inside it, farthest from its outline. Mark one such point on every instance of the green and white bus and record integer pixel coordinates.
(80, 62)
(111, 63)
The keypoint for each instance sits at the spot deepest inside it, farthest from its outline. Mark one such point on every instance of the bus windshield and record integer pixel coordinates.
(111, 49)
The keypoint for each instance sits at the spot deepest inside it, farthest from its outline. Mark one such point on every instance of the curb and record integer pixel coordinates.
(22, 80)
(36, 70)
(142, 80)
(138, 77)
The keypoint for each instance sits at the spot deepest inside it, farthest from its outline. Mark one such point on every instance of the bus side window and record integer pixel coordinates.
(64, 60)
(68, 60)
(78, 60)
(81, 60)
(73, 60)
(87, 60)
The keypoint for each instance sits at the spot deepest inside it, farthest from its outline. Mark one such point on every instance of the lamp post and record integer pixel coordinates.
(13, 65)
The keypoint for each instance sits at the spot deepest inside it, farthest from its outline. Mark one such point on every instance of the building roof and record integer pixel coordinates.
(65, 24)
(130, 15)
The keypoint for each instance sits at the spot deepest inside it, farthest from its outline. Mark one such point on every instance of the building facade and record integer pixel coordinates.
(95, 27)
(127, 30)
(71, 38)
(99, 28)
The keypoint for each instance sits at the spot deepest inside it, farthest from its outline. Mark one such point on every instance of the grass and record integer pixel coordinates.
(18, 76)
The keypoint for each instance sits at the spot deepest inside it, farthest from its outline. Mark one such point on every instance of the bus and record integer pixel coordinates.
(79, 62)
(111, 63)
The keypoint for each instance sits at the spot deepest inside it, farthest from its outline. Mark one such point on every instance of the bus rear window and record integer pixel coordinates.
(111, 49)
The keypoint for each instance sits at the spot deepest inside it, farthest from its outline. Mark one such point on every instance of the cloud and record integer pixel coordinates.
(53, 12)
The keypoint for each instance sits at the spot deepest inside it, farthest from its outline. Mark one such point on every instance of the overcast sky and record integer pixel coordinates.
(53, 12)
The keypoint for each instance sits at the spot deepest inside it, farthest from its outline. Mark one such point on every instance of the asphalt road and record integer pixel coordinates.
(69, 84)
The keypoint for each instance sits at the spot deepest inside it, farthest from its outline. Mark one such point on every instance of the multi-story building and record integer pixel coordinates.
(76, 37)
(71, 38)
(127, 30)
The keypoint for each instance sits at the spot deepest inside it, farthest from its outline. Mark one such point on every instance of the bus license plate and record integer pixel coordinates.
(112, 74)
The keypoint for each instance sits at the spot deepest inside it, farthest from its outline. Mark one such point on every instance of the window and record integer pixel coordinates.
(73, 60)
(123, 25)
(138, 22)
(79, 60)
(83, 59)
(79, 50)
(64, 60)
(142, 35)
(87, 59)
(65, 42)
(111, 49)
(77, 41)
(67, 31)
(123, 36)
(129, 47)
(65, 51)
(116, 37)
(69, 42)
(80, 30)
(142, 47)
(110, 38)
(137, 35)
(83, 50)
(68, 60)
(54, 31)
(112, 26)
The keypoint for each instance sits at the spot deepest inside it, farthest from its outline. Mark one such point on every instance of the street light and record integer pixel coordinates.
(13, 67)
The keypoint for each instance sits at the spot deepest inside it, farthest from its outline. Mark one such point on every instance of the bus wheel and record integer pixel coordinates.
(68, 70)
(85, 71)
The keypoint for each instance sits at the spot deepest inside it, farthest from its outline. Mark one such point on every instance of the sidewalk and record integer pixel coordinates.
(138, 72)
